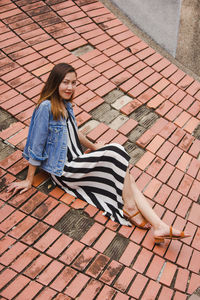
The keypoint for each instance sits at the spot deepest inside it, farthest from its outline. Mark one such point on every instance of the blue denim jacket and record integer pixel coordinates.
(46, 144)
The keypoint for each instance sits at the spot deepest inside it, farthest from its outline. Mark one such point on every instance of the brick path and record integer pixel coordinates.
(127, 93)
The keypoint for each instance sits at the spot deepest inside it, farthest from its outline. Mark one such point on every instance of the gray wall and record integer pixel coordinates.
(158, 18)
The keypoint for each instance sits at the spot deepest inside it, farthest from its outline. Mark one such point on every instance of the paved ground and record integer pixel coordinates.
(54, 246)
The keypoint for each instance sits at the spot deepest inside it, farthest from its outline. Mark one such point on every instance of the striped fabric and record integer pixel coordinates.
(96, 177)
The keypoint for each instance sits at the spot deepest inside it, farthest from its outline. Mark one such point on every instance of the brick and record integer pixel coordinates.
(174, 155)
(194, 264)
(173, 113)
(165, 293)
(76, 285)
(11, 159)
(143, 180)
(194, 214)
(50, 272)
(92, 104)
(182, 119)
(191, 125)
(152, 188)
(24, 259)
(93, 233)
(126, 86)
(169, 91)
(138, 286)
(185, 184)
(168, 274)
(19, 199)
(194, 191)
(156, 101)
(151, 290)
(130, 107)
(23, 227)
(37, 266)
(30, 291)
(169, 70)
(146, 159)
(11, 221)
(105, 89)
(165, 149)
(181, 98)
(106, 293)
(164, 108)
(67, 198)
(33, 202)
(56, 192)
(35, 233)
(97, 265)
(19, 166)
(6, 276)
(121, 296)
(91, 211)
(47, 239)
(124, 279)
(111, 272)
(72, 252)
(129, 254)
(177, 76)
(56, 214)
(179, 296)
(97, 132)
(15, 287)
(84, 259)
(194, 109)
(155, 267)
(146, 138)
(155, 144)
(173, 250)
(109, 135)
(47, 293)
(194, 283)
(58, 246)
(11, 130)
(62, 280)
(184, 256)
(128, 126)
(163, 194)
(166, 172)
(155, 167)
(167, 130)
(5, 211)
(91, 290)
(177, 136)
(12, 253)
(183, 206)
(173, 200)
(104, 241)
(6, 243)
(142, 260)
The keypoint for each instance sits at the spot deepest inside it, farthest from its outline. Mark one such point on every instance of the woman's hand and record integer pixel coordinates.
(21, 186)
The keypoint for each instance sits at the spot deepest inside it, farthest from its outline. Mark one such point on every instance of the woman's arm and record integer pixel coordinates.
(25, 184)
(86, 143)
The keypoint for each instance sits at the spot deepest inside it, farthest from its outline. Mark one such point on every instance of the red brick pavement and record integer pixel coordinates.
(39, 262)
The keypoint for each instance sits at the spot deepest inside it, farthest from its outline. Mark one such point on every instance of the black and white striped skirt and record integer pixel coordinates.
(96, 177)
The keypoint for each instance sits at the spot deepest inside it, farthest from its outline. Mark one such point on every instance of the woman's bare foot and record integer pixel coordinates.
(136, 218)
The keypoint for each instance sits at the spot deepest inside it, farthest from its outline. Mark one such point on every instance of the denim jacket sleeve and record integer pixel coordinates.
(38, 134)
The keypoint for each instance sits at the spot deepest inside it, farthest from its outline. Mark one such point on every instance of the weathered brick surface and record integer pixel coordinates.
(120, 77)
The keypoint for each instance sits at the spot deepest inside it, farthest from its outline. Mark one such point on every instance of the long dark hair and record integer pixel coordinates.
(50, 89)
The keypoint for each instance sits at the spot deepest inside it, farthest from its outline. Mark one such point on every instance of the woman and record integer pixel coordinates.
(100, 177)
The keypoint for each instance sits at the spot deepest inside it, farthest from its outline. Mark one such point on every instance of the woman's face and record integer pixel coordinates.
(67, 86)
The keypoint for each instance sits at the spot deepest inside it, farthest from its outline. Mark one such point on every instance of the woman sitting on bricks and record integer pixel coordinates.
(101, 177)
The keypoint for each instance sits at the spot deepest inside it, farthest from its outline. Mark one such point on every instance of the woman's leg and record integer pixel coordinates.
(130, 208)
(160, 228)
